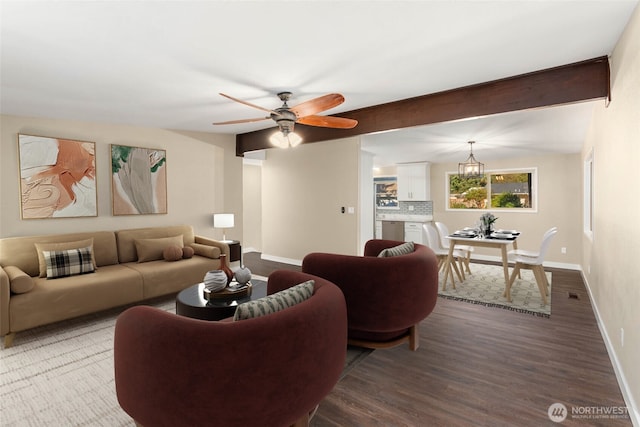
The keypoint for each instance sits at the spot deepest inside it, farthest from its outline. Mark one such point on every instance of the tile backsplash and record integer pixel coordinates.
(419, 208)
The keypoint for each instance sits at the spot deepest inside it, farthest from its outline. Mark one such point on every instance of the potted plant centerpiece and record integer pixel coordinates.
(486, 223)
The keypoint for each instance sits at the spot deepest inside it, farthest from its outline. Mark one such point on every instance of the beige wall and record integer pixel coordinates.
(203, 176)
(252, 203)
(610, 261)
(559, 204)
(303, 191)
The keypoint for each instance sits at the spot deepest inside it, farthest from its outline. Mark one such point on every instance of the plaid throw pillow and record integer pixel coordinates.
(275, 302)
(68, 263)
(403, 249)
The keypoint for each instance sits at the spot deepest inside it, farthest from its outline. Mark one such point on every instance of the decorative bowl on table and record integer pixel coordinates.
(465, 233)
(243, 275)
(512, 232)
(501, 235)
(215, 280)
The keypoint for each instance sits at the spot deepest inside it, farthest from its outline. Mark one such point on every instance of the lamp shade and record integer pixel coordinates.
(223, 220)
(294, 139)
(285, 139)
(279, 140)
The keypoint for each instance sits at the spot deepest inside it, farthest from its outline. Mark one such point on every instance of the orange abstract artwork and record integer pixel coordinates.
(57, 177)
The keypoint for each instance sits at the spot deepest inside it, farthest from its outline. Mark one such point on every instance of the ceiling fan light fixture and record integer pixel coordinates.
(278, 139)
(285, 137)
(294, 139)
(471, 168)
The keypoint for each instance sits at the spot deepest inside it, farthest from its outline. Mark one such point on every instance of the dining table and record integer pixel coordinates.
(498, 240)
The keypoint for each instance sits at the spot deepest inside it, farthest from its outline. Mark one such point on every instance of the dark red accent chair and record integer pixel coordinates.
(386, 297)
(268, 371)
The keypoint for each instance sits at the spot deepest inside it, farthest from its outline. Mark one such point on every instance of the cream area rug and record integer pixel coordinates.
(62, 374)
(485, 285)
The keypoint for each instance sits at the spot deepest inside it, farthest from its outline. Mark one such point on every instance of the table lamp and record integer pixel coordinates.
(224, 221)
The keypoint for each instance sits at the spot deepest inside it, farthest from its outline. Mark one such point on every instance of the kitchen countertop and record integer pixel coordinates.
(404, 217)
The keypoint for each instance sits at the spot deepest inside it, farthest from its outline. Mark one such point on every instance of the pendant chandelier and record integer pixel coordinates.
(471, 168)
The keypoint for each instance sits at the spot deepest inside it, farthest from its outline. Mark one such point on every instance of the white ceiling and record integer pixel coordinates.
(515, 134)
(162, 64)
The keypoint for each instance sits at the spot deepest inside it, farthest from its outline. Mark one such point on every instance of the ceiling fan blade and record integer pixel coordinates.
(248, 103)
(328, 122)
(233, 122)
(317, 105)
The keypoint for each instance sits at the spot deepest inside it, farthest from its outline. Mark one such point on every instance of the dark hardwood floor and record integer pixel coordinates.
(481, 366)
(258, 266)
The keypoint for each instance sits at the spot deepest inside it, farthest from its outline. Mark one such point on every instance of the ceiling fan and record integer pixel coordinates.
(286, 117)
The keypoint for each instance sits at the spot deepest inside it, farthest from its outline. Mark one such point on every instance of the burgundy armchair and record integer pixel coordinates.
(267, 371)
(386, 297)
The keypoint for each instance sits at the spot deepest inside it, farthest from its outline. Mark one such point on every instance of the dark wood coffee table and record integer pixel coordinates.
(191, 302)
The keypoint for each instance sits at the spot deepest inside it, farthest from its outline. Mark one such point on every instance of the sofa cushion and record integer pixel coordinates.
(70, 262)
(275, 302)
(403, 249)
(206, 250)
(126, 239)
(162, 278)
(20, 281)
(54, 300)
(22, 253)
(151, 249)
(41, 247)
(172, 253)
(187, 252)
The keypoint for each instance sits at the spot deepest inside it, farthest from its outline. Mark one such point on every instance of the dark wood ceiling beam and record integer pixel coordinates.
(580, 81)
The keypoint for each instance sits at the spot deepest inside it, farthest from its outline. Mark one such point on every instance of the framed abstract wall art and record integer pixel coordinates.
(57, 177)
(138, 180)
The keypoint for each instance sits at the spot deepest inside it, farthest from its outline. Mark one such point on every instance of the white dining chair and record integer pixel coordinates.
(534, 263)
(442, 254)
(530, 254)
(443, 231)
(527, 253)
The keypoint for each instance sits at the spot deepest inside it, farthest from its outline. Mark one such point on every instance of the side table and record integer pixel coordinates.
(191, 302)
(235, 250)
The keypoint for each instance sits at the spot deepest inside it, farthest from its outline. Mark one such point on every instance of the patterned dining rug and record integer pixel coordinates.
(485, 285)
(62, 374)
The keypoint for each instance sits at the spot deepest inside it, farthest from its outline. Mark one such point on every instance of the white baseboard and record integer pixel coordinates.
(632, 407)
(283, 260)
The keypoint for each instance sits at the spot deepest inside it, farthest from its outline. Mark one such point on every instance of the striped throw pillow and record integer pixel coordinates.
(275, 302)
(403, 249)
(69, 262)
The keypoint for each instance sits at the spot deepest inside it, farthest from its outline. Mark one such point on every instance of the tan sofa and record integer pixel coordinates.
(27, 300)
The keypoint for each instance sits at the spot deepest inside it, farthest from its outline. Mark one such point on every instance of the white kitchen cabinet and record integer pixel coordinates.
(413, 182)
(413, 232)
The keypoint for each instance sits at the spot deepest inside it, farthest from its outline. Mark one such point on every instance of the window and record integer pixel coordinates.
(386, 191)
(495, 190)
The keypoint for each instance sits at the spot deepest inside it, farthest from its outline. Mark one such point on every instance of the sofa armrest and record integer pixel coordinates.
(224, 248)
(5, 294)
